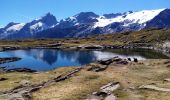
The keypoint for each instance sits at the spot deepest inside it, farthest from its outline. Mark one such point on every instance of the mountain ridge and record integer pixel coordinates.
(87, 23)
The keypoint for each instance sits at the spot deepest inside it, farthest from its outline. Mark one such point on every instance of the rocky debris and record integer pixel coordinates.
(5, 48)
(110, 87)
(135, 59)
(105, 92)
(93, 47)
(167, 79)
(21, 70)
(9, 59)
(167, 62)
(102, 65)
(110, 97)
(96, 67)
(93, 97)
(129, 59)
(155, 88)
(168, 66)
(3, 79)
(122, 62)
(25, 83)
(23, 92)
(115, 60)
(105, 62)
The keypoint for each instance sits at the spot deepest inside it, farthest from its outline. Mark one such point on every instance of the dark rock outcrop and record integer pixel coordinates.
(9, 59)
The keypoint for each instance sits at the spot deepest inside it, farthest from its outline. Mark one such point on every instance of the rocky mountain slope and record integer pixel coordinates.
(87, 23)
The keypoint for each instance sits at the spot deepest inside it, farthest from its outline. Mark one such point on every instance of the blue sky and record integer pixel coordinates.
(26, 10)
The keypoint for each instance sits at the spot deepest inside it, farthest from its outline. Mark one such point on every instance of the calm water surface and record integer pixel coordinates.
(48, 59)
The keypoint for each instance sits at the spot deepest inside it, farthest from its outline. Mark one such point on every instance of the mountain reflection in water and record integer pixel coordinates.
(48, 59)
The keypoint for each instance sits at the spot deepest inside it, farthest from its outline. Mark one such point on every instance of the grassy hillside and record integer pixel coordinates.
(141, 38)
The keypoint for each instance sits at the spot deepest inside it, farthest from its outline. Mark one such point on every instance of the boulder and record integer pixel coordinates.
(105, 92)
(155, 88)
(167, 79)
(3, 79)
(110, 87)
(135, 60)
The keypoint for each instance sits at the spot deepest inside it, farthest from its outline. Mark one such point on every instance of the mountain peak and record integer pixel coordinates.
(48, 15)
(86, 14)
(49, 19)
(10, 24)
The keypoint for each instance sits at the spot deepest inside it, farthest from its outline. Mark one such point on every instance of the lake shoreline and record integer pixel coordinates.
(115, 66)
(131, 80)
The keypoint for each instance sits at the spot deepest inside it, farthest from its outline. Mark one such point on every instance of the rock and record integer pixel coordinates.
(115, 60)
(24, 82)
(24, 92)
(155, 88)
(167, 62)
(5, 48)
(167, 79)
(110, 97)
(123, 62)
(93, 97)
(21, 70)
(96, 67)
(168, 66)
(105, 92)
(3, 79)
(101, 94)
(132, 88)
(135, 60)
(93, 47)
(105, 62)
(129, 59)
(110, 87)
(9, 59)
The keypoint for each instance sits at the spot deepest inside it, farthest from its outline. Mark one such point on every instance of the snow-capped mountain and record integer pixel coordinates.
(79, 19)
(87, 23)
(128, 18)
(26, 30)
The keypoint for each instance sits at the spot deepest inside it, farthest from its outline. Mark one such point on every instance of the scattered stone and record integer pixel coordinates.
(135, 60)
(167, 62)
(21, 70)
(24, 92)
(93, 97)
(123, 62)
(5, 48)
(9, 59)
(110, 87)
(3, 79)
(93, 47)
(110, 97)
(115, 60)
(105, 92)
(168, 66)
(132, 88)
(96, 67)
(167, 79)
(24, 82)
(155, 88)
(129, 59)
(105, 62)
